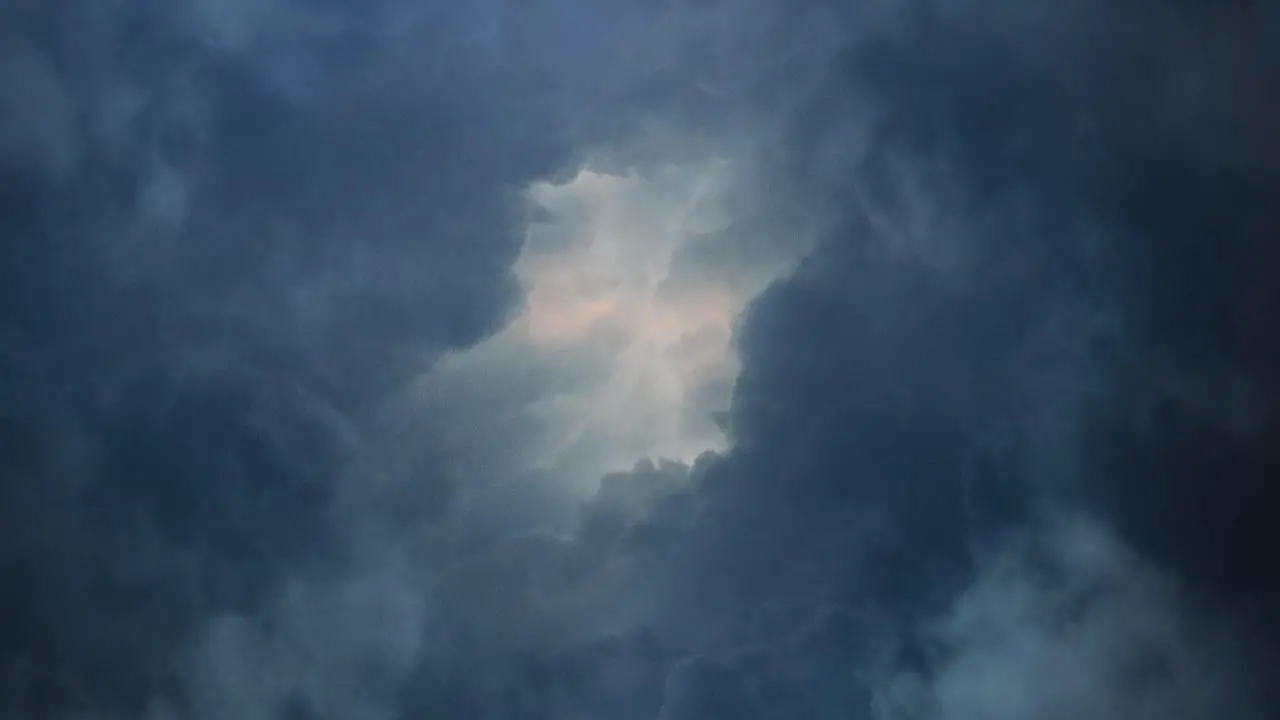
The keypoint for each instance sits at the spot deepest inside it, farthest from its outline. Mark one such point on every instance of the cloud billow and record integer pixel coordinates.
(360, 363)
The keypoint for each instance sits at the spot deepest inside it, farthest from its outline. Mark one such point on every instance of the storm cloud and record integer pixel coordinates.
(658, 361)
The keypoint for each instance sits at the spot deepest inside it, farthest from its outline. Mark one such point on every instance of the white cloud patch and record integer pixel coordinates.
(623, 348)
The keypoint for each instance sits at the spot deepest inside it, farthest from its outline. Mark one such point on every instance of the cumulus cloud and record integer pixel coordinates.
(364, 361)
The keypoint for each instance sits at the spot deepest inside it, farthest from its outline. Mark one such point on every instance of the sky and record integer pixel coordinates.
(684, 360)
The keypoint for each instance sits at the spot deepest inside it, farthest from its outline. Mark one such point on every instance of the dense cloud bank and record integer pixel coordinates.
(1001, 441)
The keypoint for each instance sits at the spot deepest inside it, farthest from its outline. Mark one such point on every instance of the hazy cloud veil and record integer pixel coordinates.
(669, 361)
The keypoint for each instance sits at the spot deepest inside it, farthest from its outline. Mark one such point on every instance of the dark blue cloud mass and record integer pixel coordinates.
(1003, 431)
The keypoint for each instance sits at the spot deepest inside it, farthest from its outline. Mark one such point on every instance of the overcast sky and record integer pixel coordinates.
(683, 360)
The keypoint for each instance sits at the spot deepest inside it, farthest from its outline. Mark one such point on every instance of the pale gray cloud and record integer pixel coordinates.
(1066, 622)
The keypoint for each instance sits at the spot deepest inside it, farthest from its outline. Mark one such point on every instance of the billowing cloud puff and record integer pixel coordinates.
(623, 347)
(679, 360)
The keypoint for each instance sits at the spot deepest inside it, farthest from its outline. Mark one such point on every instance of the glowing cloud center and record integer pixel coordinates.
(623, 347)
(603, 288)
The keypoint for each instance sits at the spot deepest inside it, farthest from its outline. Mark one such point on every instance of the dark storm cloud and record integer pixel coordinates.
(221, 253)
(1188, 447)
(1025, 268)
(231, 231)
(234, 230)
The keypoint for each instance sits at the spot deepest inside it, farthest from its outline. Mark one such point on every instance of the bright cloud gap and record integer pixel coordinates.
(623, 349)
